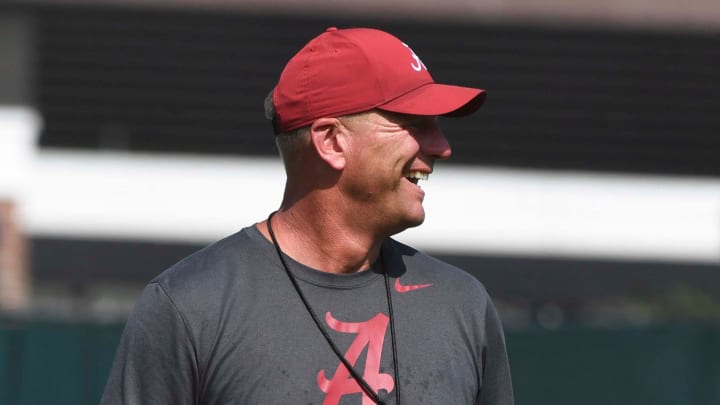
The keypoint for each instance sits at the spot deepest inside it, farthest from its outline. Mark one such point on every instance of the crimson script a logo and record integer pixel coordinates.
(370, 334)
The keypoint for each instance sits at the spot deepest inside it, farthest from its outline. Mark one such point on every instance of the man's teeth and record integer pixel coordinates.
(416, 175)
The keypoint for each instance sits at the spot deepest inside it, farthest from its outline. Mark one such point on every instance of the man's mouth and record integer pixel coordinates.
(416, 176)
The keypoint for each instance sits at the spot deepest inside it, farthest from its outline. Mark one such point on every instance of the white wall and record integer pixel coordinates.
(64, 193)
(469, 209)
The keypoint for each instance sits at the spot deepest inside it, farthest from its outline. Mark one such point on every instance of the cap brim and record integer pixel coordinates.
(437, 99)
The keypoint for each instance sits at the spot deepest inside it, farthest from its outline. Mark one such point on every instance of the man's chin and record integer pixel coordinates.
(410, 222)
(417, 221)
(418, 218)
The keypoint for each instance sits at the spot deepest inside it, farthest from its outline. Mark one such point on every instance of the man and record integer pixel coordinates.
(317, 305)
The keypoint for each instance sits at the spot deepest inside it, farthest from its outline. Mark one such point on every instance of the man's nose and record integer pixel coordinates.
(435, 145)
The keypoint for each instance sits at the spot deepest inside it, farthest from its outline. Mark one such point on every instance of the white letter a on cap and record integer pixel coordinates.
(417, 65)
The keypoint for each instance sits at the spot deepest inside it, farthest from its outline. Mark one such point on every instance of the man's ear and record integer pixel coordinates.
(328, 136)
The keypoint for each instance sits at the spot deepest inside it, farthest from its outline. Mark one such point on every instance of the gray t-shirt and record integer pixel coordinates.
(225, 326)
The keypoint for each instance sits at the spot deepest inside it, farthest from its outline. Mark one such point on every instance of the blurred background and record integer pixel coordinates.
(585, 195)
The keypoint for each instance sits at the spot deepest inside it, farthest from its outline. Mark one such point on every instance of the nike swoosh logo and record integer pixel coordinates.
(407, 288)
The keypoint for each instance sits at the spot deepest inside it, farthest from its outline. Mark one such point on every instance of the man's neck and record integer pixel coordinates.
(322, 240)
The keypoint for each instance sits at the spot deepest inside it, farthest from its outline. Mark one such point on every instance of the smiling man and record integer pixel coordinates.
(317, 304)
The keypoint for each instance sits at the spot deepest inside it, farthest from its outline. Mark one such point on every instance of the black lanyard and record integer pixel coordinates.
(358, 378)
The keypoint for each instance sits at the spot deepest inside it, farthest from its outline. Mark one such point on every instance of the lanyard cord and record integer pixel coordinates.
(358, 378)
(392, 332)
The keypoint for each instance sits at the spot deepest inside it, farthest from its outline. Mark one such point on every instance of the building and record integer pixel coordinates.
(591, 174)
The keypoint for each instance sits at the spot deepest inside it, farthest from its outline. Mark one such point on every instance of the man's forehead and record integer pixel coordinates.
(377, 116)
(401, 118)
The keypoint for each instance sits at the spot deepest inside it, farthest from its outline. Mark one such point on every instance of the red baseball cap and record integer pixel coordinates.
(346, 71)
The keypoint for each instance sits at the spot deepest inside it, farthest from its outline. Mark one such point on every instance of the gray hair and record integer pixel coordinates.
(290, 143)
(270, 106)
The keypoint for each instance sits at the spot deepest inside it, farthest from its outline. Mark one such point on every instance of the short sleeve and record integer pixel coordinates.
(155, 361)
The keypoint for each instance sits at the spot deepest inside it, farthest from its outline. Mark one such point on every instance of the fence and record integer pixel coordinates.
(43, 362)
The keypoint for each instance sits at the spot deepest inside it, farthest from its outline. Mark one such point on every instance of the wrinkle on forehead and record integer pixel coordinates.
(375, 117)
(406, 120)
(377, 123)
(356, 119)
(386, 122)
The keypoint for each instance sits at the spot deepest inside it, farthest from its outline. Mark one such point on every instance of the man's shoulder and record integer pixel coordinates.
(419, 264)
(214, 265)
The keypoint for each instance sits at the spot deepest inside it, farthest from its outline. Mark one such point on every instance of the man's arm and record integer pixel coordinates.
(496, 382)
(155, 362)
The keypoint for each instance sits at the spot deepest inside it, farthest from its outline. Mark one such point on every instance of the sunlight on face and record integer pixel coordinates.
(388, 155)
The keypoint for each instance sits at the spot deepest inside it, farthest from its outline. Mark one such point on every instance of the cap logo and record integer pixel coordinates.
(417, 65)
